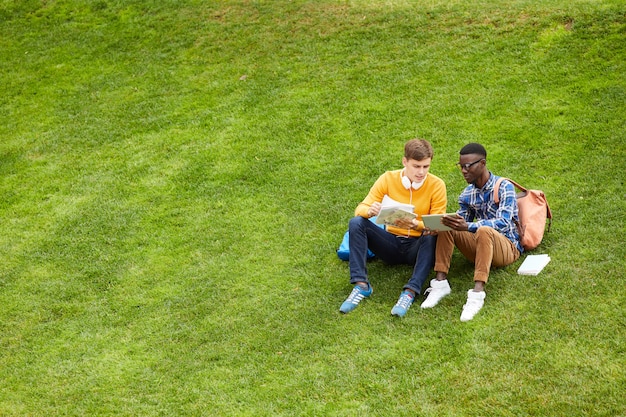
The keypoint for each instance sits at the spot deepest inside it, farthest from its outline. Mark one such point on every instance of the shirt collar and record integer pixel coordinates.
(490, 183)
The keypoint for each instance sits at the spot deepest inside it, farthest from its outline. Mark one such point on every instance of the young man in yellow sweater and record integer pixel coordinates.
(405, 242)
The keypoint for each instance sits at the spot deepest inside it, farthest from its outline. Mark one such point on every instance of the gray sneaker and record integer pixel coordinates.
(355, 298)
(403, 304)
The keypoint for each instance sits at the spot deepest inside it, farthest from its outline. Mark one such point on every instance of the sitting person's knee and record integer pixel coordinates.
(485, 231)
(357, 221)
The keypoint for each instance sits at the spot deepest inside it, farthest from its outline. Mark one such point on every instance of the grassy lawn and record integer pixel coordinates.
(175, 177)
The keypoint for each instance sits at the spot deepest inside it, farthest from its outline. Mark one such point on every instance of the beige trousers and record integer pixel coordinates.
(485, 248)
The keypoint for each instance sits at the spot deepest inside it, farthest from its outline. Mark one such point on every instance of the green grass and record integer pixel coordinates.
(175, 177)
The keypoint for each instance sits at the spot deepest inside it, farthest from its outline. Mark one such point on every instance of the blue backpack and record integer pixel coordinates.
(344, 249)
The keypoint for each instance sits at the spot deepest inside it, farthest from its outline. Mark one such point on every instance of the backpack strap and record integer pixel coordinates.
(519, 187)
(496, 187)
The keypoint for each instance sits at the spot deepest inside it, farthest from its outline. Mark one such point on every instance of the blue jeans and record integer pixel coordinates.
(391, 249)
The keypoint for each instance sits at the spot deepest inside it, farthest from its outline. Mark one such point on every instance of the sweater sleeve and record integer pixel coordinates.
(439, 199)
(376, 194)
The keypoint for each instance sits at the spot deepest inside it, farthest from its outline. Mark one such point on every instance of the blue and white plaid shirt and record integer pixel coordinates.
(478, 204)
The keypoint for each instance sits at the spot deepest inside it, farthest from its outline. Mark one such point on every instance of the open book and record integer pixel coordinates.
(391, 211)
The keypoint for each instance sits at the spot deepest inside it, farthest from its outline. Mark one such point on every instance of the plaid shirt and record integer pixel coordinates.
(478, 204)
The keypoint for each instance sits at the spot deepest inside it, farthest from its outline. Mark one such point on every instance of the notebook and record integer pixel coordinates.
(533, 264)
(433, 221)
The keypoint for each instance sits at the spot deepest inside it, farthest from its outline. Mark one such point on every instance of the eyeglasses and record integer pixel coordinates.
(468, 166)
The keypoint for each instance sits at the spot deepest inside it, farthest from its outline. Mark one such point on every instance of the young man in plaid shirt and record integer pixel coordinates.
(484, 232)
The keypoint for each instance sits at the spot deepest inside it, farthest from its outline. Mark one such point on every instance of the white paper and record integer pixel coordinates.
(533, 264)
(389, 202)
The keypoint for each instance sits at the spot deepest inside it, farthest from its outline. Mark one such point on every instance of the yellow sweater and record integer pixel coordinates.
(431, 198)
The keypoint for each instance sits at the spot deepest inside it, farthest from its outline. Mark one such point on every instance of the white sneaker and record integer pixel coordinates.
(437, 290)
(475, 301)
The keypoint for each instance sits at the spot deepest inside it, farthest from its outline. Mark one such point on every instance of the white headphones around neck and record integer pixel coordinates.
(407, 183)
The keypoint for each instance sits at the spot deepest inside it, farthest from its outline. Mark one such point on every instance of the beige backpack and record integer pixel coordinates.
(533, 211)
